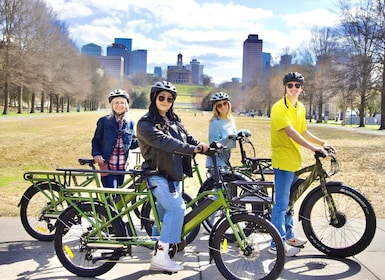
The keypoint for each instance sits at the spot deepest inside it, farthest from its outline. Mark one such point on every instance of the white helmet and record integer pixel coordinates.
(117, 93)
(218, 96)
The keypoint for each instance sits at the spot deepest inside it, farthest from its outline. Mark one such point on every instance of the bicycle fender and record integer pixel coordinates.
(330, 183)
(211, 237)
(34, 186)
(24, 195)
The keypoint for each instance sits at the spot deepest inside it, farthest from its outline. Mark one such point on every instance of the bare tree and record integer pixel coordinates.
(10, 25)
(358, 27)
(379, 38)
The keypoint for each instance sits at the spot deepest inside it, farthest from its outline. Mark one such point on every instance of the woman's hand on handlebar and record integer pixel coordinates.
(201, 148)
(99, 159)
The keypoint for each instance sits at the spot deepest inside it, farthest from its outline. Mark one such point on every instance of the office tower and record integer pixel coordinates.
(138, 62)
(91, 50)
(158, 71)
(266, 58)
(285, 60)
(196, 71)
(112, 65)
(125, 42)
(252, 61)
(117, 49)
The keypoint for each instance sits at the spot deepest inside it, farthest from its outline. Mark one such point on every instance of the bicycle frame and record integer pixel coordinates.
(105, 197)
(303, 184)
(251, 165)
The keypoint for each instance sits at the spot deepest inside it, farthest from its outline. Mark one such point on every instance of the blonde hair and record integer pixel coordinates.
(228, 116)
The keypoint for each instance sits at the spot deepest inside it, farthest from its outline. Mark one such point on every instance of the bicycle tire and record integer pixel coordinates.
(208, 185)
(35, 207)
(255, 262)
(71, 242)
(148, 222)
(355, 229)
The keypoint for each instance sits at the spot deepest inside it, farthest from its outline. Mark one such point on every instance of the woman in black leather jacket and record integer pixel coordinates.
(167, 147)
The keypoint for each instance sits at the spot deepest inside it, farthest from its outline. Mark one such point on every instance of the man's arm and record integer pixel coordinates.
(301, 140)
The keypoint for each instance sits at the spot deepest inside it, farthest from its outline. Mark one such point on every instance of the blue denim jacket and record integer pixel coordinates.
(106, 136)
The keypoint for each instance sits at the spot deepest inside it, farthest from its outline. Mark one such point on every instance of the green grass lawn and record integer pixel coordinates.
(49, 141)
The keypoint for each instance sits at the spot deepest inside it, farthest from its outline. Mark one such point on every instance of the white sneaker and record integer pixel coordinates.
(161, 262)
(296, 241)
(290, 251)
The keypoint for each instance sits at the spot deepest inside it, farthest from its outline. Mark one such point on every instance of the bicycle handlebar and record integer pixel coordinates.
(241, 134)
(90, 162)
(214, 148)
(322, 155)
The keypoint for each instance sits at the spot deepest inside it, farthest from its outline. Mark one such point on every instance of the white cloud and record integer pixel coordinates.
(212, 32)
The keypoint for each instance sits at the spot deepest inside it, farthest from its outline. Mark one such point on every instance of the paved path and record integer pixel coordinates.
(22, 257)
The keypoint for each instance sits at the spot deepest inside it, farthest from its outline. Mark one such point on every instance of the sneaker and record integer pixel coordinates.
(290, 251)
(296, 242)
(161, 262)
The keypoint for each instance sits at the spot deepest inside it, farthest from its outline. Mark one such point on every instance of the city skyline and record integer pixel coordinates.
(209, 31)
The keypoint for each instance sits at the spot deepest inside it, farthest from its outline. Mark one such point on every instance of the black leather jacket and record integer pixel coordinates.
(168, 152)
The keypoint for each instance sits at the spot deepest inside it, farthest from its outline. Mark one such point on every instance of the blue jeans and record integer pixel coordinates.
(279, 217)
(170, 206)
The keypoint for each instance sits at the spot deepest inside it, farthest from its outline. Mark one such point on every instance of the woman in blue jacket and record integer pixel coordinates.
(114, 137)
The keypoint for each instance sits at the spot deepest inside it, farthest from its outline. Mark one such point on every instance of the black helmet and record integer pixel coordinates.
(218, 96)
(118, 92)
(293, 77)
(159, 86)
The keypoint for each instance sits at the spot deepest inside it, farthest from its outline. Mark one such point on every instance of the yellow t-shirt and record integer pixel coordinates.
(286, 154)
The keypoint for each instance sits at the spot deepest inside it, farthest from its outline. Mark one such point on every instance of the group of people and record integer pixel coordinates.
(166, 146)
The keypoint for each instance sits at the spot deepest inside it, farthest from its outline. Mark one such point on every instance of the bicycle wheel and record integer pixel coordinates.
(251, 260)
(39, 209)
(71, 241)
(208, 185)
(356, 221)
(148, 221)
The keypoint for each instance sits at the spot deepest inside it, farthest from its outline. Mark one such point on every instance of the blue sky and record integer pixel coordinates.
(210, 31)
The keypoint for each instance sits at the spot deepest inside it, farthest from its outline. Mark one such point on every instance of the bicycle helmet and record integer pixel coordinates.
(118, 92)
(293, 77)
(159, 86)
(218, 96)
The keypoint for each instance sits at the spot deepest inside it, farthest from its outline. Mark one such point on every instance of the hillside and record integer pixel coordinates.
(188, 95)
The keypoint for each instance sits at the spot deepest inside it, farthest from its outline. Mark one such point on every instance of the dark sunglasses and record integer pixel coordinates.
(297, 85)
(219, 105)
(162, 98)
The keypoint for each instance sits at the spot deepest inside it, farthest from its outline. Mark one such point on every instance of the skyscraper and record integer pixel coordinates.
(196, 71)
(91, 50)
(127, 42)
(138, 62)
(112, 66)
(252, 61)
(117, 49)
(158, 71)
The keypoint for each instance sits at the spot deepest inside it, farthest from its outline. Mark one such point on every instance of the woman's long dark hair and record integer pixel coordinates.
(164, 122)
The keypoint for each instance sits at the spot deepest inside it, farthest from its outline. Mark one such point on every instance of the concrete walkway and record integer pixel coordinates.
(22, 257)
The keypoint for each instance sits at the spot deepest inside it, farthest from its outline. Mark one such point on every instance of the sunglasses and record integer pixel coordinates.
(297, 85)
(219, 105)
(162, 98)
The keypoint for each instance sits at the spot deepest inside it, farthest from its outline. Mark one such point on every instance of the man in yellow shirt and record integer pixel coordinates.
(288, 133)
